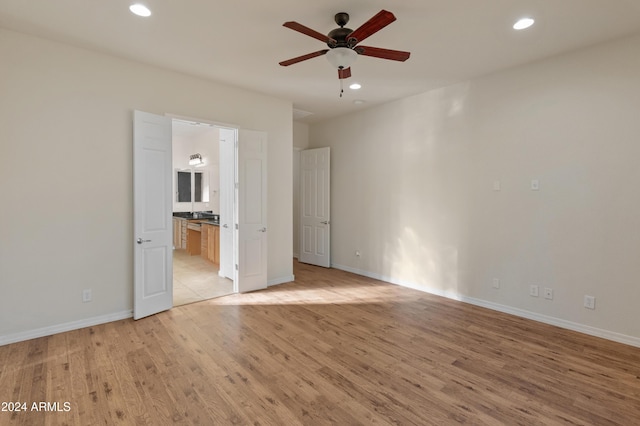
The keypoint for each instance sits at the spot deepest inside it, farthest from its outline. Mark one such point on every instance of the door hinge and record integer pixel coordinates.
(236, 266)
(236, 185)
(237, 227)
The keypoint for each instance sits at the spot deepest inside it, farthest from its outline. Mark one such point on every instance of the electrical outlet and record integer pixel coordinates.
(548, 293)
(358, 253)
(86, 295)
(496, 283)
(535, 185)
(589, 302)
(533, 290)
(496, 185)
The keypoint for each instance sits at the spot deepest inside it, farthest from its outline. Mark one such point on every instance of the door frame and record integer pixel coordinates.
(167, 277)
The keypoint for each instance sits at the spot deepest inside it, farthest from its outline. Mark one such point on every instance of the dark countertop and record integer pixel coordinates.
(203, 217)
(209, 222)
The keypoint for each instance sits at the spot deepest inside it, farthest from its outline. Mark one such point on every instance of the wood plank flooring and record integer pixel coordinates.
(331, 348)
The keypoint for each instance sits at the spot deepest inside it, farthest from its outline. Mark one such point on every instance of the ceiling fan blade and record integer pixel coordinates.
(344, 73)
(303, 58)
(376, 52)
(308, 31)
(373, 25)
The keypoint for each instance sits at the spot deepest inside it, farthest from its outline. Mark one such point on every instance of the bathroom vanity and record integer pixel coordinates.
(198, 233)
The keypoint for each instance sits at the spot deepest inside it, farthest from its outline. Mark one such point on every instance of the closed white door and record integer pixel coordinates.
(152, 210)
(227, 194)
(315, 221)
(251, 196)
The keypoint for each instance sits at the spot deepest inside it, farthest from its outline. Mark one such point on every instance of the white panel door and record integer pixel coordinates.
(152, 207)
(227, 194)
(251, 222)
(314, 207)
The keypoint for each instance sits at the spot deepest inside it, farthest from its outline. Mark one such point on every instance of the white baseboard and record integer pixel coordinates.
(60, 328)
(558, 322)
(88, 322)
(281, 280)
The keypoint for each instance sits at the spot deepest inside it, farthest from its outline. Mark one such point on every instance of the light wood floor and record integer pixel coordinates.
(331, 348)
(195, 279)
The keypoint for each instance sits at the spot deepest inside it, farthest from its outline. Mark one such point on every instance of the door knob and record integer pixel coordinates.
(225, 226)
(140, 241)
(326, 222)
(262, 230)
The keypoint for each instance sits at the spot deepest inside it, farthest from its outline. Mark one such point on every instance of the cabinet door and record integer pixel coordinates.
(216, 245)
(204, 241)
(183, 233)
(210, 242)
(193, 242)
(176, 233)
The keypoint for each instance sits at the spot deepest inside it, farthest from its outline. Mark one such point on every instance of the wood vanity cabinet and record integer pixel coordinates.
(214, 245)
(194, 235)
(204, 240)
(210, 243)
(183, 233)
(179, 233)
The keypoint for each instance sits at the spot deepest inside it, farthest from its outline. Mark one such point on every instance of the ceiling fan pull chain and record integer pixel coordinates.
(341, 88)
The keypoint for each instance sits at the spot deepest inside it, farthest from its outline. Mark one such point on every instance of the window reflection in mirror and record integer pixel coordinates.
(184, 186)
(192, 185)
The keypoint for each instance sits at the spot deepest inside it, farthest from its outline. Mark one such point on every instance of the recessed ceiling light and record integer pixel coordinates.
(523, 23)
(140, 10)
(358, 102)
(355, 86)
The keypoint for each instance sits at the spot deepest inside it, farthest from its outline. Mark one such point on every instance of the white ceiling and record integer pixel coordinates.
(240, 42)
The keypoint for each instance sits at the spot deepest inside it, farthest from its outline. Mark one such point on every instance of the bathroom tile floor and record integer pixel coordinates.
(195, 279)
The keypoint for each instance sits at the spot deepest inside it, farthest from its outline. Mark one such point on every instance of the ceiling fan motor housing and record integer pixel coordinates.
(340, 34)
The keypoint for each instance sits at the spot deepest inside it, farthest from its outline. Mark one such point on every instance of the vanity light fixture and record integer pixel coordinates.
(196, 160)
(140, 10)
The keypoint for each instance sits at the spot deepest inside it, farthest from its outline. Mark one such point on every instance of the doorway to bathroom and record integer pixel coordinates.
(197, 163)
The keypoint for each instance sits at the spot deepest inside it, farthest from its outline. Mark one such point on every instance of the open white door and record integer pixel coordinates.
(227, 194)
(314, 210)
(251, 179)
(152, 224)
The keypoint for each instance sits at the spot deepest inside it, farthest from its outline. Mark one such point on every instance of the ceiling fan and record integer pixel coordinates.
(343, 42)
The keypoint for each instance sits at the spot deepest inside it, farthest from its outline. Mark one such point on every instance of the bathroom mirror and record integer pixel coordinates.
(191, 185)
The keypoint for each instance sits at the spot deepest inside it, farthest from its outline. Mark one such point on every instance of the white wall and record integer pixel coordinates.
(412, 189)
(66, 176)
(189, 139)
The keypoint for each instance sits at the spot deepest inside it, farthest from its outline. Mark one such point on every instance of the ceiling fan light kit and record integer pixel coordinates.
(341, 57)
(343, 43)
